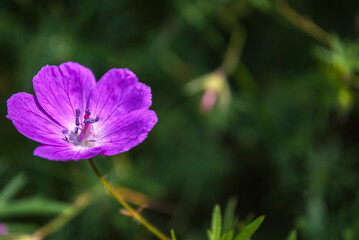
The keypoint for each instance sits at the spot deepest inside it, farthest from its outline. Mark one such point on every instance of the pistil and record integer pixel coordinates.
(87, 133)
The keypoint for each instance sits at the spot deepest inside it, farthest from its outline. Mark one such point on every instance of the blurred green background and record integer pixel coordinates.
(282, 137)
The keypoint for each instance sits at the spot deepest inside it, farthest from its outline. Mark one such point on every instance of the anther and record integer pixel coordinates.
(76, 130)
(91, 140)
(90, 120)
(77, 112)
(87, 111)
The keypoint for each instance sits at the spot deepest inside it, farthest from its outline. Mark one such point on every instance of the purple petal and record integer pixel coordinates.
(67, 152)
(121, 133)
(63, 89)
(31, 121)
(119, 92)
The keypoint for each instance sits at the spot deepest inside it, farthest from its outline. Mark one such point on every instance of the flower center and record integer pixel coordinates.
(83, 134)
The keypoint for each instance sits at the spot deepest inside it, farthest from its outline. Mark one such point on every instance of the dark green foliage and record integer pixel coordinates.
(25, 207)
(216, 232)
(292, 235)
(283, 137)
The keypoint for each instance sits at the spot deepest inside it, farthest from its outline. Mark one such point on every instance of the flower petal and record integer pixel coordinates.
(30, 120)
(119, 92)
(67, 152)
(3, 229)
(124, 132)
(63, 89)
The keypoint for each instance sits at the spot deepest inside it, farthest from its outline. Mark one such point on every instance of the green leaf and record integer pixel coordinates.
(292, 235)
(18, 227)
(32, 206)
(250, 229)
(228, 219)
(342, 55)
(209, 234)
(262, 5)
(215, 233)
(4, 165)
(13, 187)
(227, 236)
(173, 236)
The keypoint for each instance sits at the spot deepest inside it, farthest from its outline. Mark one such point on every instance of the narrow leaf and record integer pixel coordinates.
(173, 236)
(250, 229)
(227, 236)
(228, 219)
(209, 234)
(4, 165)
(18, 227)
(216, 223)
(12, 187)
(292, 235)
(32, 206)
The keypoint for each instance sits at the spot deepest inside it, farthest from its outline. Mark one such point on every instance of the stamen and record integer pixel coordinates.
(77, 113)
(83, 133)
(90, 120)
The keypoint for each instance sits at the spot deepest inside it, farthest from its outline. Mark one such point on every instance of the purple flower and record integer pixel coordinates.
(3, 229)
(76, 118)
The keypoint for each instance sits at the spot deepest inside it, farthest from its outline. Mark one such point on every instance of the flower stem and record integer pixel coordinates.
(303, 23)
(132, 212)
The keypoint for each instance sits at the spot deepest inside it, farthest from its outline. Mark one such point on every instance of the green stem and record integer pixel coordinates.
(234, 49)
(72, 211)
(132, 212)
(305, 24)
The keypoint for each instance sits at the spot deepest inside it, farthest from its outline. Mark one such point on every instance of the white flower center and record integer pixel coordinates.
(83, 134)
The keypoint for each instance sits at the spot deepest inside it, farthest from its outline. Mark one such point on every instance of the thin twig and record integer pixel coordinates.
(303, 23)
(132, 212)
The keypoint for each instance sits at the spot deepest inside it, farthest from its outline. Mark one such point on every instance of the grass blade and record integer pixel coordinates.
(250, 229)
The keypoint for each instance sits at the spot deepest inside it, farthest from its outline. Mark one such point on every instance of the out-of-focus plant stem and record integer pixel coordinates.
(66, 216)
(303, 23)
(199, 21)
(234, 49)
(131, 212)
